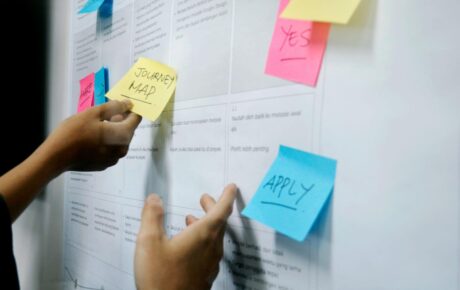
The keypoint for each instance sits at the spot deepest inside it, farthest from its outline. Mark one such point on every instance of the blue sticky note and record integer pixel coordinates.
(100, 86)
(91, 6)
(106, 9)
(293, 192)
(106, 74)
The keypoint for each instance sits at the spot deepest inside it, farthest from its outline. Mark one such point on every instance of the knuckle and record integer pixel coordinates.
(113, 162)
(100, 110)
(156, 209)
(218, 221)
(125, 137)
(203, 198)
(145, 237)
(123, 151)
(188, 220)
(121, 137)
(206, 235)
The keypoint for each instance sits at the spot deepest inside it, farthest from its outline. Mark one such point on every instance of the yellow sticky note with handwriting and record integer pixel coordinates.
(330, 11)
(149, 85)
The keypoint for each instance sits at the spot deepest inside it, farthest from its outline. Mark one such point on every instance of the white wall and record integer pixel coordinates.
(391, 116)
(399, 52)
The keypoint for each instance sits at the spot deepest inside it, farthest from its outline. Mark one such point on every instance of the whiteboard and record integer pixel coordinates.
(386, 107)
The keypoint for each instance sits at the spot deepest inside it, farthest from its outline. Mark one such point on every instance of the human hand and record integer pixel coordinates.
(189, 260)
(94, 139)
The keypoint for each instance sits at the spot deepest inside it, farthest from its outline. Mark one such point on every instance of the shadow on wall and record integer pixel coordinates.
(316, 249)
(357, 38)
(245, 263)
(251, 262)
(158, 180)
(104, 16)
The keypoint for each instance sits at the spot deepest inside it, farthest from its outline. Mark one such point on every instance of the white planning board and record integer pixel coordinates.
(387, 107)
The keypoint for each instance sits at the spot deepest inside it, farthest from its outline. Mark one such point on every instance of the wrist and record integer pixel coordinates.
(56, 157)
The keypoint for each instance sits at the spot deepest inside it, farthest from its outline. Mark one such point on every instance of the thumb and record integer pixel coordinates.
(152, 219)
(112, 108)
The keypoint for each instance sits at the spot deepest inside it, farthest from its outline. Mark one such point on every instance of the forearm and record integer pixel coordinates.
(20, 185)
(86, 141)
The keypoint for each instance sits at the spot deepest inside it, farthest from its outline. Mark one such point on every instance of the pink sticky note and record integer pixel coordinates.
(86, 93)
(297, 49)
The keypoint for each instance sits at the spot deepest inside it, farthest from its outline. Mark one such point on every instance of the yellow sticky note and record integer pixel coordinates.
(149, 85)
(331, 11)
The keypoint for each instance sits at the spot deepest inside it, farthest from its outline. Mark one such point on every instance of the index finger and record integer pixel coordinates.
(220, 212)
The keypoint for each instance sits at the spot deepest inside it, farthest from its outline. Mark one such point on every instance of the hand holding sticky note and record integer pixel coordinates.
(149, 85)
(293, 192)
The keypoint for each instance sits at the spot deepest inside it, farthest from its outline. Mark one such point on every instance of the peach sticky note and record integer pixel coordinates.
(149, 85)
(297, 49)
(330, 11)
(86, 93)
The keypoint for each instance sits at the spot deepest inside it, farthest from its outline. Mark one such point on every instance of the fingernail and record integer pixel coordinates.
(154, 199)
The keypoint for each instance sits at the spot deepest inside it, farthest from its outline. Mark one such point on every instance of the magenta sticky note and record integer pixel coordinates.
(297, 49)
(86, 93)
